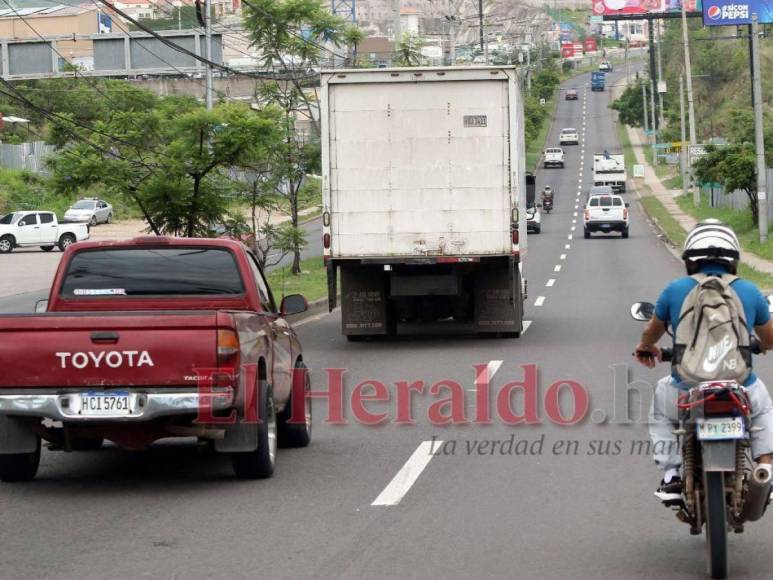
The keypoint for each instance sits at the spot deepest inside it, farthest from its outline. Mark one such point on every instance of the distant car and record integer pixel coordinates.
(533, 219)
(605, 66)
(554, 157)
(91, 210)
(571, 95)
(569, 136)
(606, 213)
(38, 228)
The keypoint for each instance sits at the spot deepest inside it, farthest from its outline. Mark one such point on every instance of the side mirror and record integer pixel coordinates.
(642, 311)
(22, 223)
(293, 304)
(41, 306)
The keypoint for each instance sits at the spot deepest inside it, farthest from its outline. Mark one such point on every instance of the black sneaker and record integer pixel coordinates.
(670, 493)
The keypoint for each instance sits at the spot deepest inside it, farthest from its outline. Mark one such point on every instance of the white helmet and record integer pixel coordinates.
(712, 240)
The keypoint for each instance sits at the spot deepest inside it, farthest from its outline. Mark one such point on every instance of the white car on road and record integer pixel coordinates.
(606, 213)
(533, 219)
(38, 228)
(554, 157)
(569, 136)
(91, 210)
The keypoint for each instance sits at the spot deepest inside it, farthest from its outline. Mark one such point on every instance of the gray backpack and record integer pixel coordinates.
(712, 339)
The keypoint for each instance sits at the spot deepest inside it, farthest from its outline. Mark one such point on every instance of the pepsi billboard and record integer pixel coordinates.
(734, 12)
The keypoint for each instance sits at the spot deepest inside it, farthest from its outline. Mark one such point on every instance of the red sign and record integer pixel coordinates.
(567, 49)
(612, 7)
(590, 45)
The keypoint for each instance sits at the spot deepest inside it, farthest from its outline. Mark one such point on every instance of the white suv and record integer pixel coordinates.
(554, 157)
(569, 137)
(606, 213)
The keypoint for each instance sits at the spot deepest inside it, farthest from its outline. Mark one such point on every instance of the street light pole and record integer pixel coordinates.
(759, 138)
(690, 105)
(683, 136)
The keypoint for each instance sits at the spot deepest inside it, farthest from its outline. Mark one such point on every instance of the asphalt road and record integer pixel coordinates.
(552, 511)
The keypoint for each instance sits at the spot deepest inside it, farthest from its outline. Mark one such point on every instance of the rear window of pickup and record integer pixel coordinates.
(605, 201)
(188, 271)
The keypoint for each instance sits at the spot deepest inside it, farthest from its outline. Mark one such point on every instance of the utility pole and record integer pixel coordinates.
(627, 67)
(683, 148)
(751, 60)
(480, 25)
(660, 74)
(528, 70)
(759, 138)
(208, 50)
(688, 75)
(653, 78)
(653, 112)
(644, 104)
(396, 22)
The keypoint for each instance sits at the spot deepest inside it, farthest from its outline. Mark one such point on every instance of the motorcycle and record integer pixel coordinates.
(722, 488)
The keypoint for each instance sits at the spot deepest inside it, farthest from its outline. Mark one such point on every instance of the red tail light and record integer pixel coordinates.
(625, 214)
(228, 349)
(326, 241)
(516, 237)
(587, 214)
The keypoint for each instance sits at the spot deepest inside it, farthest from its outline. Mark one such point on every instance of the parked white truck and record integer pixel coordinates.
(424, 197)
(38, 228)
(609, 169)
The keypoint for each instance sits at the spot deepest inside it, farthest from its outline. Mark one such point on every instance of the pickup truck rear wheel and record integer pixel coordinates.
(6, 244)
(20, 466)
(65, 241)
(297, 434)
(259, 464)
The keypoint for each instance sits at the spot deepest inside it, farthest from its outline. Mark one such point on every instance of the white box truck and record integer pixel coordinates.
(424, 183)
(609, 169)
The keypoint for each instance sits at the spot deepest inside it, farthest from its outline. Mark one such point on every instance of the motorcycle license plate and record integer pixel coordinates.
(101, 404)
(721, 429)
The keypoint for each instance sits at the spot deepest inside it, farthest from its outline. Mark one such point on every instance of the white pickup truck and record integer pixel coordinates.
(38, 228)
(606, 213)
(554, 157)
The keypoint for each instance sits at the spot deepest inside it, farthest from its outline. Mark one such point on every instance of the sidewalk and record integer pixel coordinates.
(667, 198)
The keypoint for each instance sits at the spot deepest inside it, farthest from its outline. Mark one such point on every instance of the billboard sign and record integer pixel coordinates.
(734, 12)
(632, 7)
(590, 44)
(567, 49)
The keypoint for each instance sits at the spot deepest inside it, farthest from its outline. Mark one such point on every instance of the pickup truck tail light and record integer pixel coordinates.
(587, 215)
(326, 241)
(625, 214)
(228, 349)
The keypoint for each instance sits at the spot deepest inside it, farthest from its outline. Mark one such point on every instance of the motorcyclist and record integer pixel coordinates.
(547, 194)
(710, 248)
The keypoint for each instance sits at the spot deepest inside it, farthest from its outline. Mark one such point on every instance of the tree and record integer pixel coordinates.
(292, 34)
(544, 83)
(630, 105)
(734, 167)
(173, 160)
(408, 50)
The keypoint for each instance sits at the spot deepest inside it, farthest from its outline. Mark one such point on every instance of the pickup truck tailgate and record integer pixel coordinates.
(106, 349)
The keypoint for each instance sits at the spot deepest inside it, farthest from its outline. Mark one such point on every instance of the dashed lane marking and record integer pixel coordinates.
(408, 474)
(550, 282)
(539, 301)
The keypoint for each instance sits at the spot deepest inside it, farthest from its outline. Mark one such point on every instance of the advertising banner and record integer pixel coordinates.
(631, 7)
(734, 12)
(590, 45)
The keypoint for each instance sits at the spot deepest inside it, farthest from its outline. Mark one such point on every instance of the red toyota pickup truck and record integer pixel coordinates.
(151, 338)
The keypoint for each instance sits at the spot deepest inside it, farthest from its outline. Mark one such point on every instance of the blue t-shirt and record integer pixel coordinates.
(755, 305)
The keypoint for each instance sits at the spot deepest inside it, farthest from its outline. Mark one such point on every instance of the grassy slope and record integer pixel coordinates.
(312, 282)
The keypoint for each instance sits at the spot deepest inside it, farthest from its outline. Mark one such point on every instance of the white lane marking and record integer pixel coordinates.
(575, 213)
(576, 205)
(557, 268)
(539, 301)
(574, 221)
(580, 173)
(492, 368)
(562, 257)
(569, 237)
(550, 282)
(526, 325)
(408, 474)
(568, 246)
(573, 228)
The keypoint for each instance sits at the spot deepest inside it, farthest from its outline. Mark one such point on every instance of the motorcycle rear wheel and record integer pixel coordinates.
(716, 524)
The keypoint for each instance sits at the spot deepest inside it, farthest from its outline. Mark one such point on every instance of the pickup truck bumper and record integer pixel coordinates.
(606, 226)
(143, 405)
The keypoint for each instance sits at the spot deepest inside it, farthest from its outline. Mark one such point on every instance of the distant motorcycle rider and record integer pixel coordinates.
(711, 249)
